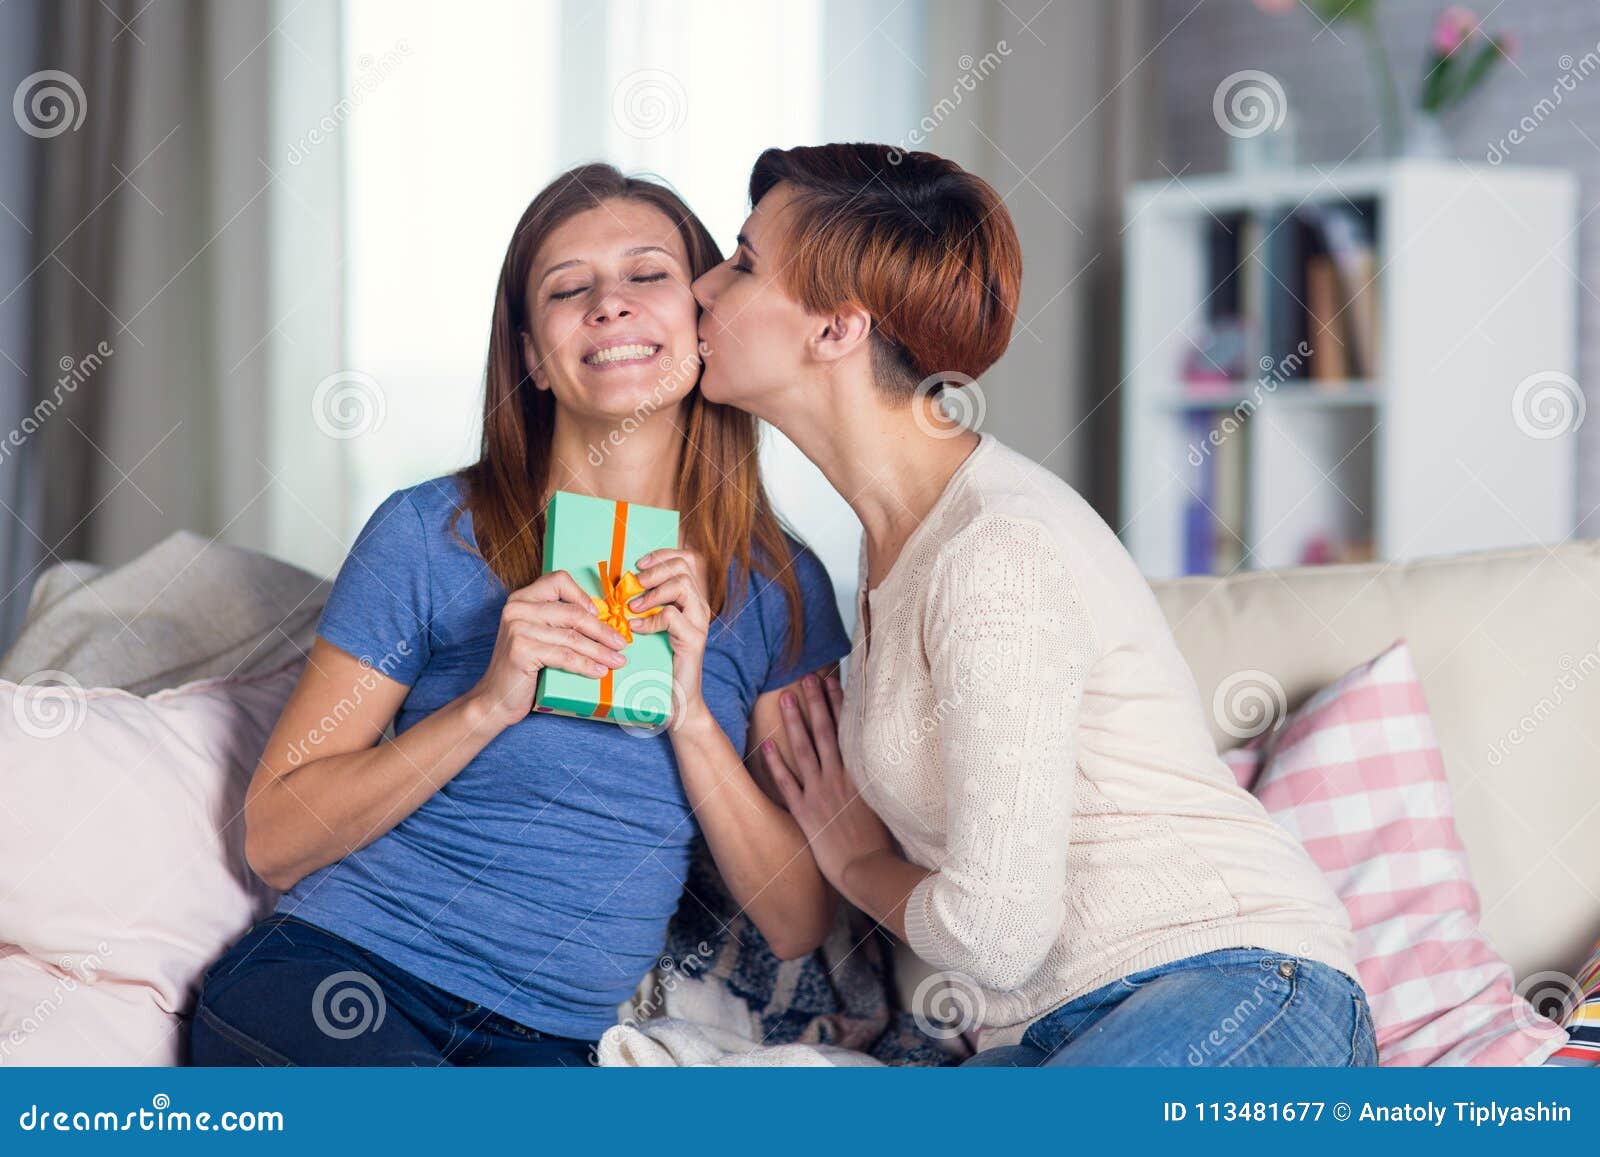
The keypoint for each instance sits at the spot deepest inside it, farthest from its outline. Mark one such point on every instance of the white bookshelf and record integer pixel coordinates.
(1420, 455)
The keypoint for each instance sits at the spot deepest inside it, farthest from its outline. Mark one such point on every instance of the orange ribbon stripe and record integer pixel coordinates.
(617, 587)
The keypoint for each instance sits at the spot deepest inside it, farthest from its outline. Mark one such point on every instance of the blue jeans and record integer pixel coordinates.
(1234, 1006)
(290, 993)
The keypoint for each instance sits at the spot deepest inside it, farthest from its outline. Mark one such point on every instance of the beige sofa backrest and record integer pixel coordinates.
(1508, 647)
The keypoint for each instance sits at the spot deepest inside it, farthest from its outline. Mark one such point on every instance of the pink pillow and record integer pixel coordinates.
(123, 870)
(1356, 774)
(50, 1017)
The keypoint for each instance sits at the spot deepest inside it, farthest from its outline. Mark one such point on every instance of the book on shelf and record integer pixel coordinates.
(1250, 280)
(1301, 284)
(1224, 240)
(1214, 518)
(1231, 488)
(1284, 321)
(1343, 238)
(1328, 361)
(1197, 510)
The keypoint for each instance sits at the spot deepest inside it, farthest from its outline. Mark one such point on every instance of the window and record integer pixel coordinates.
(467, 110)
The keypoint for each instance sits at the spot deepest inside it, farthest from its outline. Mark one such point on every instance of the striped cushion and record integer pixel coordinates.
(1583, 1021)
(1356, 774)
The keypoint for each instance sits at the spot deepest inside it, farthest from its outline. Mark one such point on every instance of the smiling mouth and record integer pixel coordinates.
(619, 354)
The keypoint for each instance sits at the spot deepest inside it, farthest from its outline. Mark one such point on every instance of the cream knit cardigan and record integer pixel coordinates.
(1025, 725)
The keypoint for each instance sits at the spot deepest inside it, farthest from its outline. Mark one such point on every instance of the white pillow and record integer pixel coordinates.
(122, 868)
(50, 1017)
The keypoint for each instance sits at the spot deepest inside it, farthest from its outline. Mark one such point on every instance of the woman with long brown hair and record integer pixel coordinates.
(487, 886)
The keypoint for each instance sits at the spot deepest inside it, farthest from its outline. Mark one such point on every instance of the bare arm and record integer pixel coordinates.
(319, 795)
(759, 849)
(327, 786)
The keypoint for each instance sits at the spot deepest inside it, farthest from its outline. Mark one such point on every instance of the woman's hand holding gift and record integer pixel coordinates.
(674, 580)
(817, 789)
(551, 622)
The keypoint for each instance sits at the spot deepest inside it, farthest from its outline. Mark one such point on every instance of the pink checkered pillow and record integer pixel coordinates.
(1356, 774)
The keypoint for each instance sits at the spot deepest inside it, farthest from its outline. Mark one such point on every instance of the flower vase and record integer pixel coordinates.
(1425, 139)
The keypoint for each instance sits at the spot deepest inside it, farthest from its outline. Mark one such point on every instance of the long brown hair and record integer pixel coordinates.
(725, 512)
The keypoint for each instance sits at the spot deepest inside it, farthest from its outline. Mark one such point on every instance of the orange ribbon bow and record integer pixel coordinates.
(613, 607)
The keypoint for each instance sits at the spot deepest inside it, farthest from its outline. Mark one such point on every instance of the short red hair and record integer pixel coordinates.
(921, 244)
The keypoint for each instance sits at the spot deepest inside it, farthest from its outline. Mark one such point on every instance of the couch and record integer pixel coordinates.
(1507, 644)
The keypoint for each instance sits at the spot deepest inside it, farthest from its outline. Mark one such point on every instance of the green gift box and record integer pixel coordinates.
(599, 542)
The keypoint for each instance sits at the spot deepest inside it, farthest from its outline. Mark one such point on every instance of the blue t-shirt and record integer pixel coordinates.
(538, 882)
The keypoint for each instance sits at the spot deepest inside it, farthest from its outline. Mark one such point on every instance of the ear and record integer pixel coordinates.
(530, 361)
(843, 332)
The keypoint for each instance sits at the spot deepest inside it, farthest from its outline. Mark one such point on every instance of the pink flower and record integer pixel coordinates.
(1453, 26)
(1275, 6)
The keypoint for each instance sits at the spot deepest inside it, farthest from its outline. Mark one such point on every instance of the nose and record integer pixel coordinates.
(612, 306)
(703, 289)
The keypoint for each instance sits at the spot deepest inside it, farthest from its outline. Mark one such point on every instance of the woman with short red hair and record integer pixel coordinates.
(1018, 780)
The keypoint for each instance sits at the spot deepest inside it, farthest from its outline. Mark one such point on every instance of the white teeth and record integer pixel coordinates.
(621, 353)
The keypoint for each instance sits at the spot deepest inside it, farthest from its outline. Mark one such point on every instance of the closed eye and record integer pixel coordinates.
(565, 294)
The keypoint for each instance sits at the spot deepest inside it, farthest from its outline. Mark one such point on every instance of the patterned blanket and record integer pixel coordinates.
(842, 994)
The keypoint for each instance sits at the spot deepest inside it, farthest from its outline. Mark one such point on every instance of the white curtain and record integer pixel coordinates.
(488, 102)
(166, 214)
